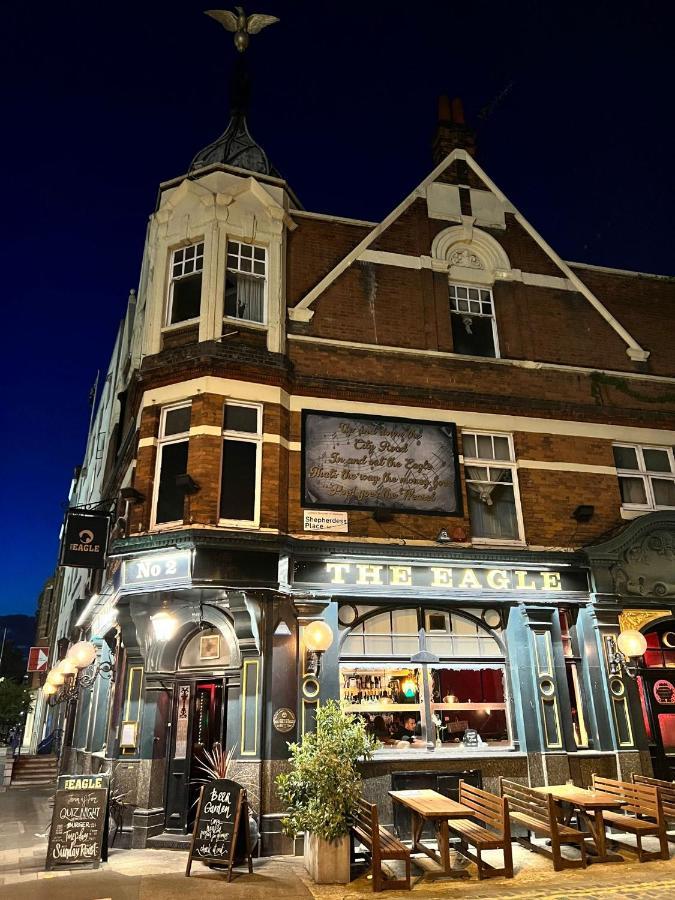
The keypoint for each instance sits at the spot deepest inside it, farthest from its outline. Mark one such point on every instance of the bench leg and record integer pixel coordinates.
(508, 859)
(663, 841)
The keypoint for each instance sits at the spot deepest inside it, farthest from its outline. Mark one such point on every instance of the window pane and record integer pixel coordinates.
(656, 460)
(492, 511)
(469, 443)
(472, 335)
(502, 449)
(177, 421)
(632, 490)
(502, 475)
(169, 497)
(244, 297)
(237, 495)
(187, 294)
(484, 446)
(625, 457)
(404, 621)
(664, 492)
(241, 418)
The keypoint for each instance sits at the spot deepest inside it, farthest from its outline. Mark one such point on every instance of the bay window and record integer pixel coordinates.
(381, 682)
(241, 463)
(172, 457)
(185, 286)
(492, 487)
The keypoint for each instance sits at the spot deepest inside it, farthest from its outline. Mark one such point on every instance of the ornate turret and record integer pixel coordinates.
(235, 146)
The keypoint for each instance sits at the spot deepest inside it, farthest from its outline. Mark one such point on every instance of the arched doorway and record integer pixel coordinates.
(206, 675)
(656, 684)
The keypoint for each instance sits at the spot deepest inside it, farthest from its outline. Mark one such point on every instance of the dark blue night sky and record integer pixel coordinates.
(572, 102)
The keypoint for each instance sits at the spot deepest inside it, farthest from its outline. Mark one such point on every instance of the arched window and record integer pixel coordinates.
(381, 679)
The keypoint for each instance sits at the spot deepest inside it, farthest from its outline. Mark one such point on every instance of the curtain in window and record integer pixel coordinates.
(492, 506)
(250, 298)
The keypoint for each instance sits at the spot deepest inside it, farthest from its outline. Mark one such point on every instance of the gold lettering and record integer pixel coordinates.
(442, 576)
(469, 580)
(401, 574)
(337, 571)
(498, 579)
(552, 581)
(368, 574)
(521, 584)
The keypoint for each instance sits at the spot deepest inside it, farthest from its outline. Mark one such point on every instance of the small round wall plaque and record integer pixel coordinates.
(664, 691)
(284, 719)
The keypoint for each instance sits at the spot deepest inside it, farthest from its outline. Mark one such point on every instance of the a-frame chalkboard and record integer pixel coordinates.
(78, 834)
(221, 834)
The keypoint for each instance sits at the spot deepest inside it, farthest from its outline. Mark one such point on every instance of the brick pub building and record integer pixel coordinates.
(432, 434)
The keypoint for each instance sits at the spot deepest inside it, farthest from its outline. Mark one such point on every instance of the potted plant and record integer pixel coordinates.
(321, 790)
(216, 764)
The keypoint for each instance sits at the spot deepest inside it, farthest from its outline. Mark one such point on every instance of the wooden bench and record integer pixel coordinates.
(666, 791)
(540, 815)
(382, 845)
(494, 832)
(642, 816)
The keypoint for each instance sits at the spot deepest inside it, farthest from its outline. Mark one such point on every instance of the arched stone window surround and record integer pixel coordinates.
(471, 255)
(167, 655)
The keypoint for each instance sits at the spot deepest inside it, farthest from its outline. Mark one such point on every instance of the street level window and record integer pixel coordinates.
(646, 476)
(172, 457)
(572, 656)
(492, 487)
(380, 683)
(474, 328)
(245, 282)
(185, 288)
(241, 464)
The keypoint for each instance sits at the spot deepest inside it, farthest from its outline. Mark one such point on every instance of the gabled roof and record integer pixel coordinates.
(303, 312)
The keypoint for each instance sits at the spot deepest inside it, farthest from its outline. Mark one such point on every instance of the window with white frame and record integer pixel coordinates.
(245, 282)
(474, 328)
(185, 287)
(172, 457)
(241, 464)
(646, 476)
(492, 487)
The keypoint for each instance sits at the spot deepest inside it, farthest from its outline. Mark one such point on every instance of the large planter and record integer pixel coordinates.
(327, 861)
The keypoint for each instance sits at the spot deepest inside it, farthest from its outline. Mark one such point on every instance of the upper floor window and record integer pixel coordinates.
(185, 289)
(172, 457)
(245, 282)
(474, 329)
(241, 464)
(492, 487)
(646, 476)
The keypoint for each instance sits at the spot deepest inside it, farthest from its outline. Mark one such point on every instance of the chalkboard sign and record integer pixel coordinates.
(79, 822)
(221, 827)
(471, 738)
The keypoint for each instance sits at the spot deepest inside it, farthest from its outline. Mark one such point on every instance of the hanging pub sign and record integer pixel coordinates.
(221, 833)
(78, 834)
(372, 462)
(85, 541)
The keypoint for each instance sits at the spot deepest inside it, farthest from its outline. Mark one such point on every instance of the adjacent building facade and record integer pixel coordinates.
(431, 433)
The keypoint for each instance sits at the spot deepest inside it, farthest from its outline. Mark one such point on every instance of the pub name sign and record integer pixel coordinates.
(441, 577)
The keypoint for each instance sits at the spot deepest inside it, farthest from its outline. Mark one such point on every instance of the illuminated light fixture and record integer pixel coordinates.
(82, 654)
(164, 624)
(318, 637)
(49, 689)
(66, 667)
(55, 678)
(409, 688)
(624, 651)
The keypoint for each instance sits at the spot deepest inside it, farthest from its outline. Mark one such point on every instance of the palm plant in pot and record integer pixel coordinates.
(321, 790)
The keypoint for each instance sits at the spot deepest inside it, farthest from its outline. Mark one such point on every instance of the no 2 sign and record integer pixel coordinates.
(151, 569)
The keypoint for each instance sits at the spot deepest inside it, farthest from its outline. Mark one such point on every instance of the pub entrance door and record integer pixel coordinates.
(656, 682)
(199, 722)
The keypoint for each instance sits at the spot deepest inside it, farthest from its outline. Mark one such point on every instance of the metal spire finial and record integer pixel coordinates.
(241, 24)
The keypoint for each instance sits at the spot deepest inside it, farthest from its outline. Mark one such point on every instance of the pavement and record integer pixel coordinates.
(160, 874)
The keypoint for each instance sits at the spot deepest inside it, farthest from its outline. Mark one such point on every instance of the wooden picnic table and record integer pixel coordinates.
(429, 806)
(589, 805)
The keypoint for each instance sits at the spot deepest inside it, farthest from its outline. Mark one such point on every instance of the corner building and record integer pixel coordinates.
(432, 434)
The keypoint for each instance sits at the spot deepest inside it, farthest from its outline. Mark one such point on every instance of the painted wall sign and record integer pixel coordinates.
(85, 541)
(446, 577)
(76, 836)
(165, 567)
(664, 691)
(284, 719)
(368, 462)
(324, 520)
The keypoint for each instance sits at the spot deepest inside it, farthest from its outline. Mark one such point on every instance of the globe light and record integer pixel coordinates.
(164, 625)
(66, 667)
(48, 689)
(55, 677)
(631, 643)
(318, 636)
(82, 654)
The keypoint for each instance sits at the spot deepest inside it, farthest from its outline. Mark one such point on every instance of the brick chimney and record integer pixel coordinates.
(452, 131)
